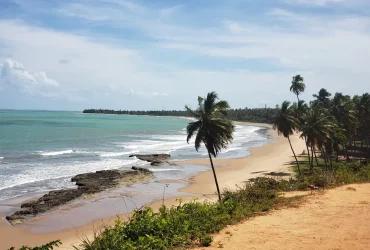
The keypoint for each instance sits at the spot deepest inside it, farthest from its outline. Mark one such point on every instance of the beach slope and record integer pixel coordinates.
(336, 219)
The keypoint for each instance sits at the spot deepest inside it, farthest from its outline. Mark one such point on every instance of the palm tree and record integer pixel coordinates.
(298, 85)
(285, 123)
(299, 110)
(322, 99)
(343, 110)
(211, 127)
(317, 128)
(362, 104)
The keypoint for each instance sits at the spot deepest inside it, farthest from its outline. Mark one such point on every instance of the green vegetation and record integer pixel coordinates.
(263, 115)
(48, 246)
(189, 224)
(211, 128)
(331, 127)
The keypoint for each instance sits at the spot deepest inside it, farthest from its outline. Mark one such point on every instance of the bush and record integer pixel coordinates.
(187, 224)
(48, 246)
(340, 174)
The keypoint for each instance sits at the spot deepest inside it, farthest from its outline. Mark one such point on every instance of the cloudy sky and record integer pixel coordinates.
(146, 54)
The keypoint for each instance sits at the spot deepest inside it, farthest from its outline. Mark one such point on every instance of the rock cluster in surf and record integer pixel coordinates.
(154, 159)
(88, 183)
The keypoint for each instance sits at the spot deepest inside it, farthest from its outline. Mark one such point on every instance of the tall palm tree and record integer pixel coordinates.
(298, 85)
(285, 123)
(343, 110)
(362, 104)
(300, 109)
(211, 127)
(317, 128)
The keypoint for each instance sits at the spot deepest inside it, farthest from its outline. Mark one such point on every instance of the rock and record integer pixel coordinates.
(154, 159)
(88, 183)
(145, 170)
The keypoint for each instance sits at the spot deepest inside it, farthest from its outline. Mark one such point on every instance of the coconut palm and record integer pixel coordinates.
(332, 143)
(298, 85)
(322, 99)
(299, 110)
(285, 123)
(343, 110)
(317, 129)
(211, 128)
(362, 104)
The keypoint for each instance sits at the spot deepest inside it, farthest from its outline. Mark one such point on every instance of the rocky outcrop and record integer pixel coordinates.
(154, 159)
(88, 183)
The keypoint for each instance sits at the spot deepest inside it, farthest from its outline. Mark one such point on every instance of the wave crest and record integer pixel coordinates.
(62, 152)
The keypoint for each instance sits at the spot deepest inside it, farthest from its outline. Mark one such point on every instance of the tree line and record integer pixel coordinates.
(332, 126)
(262, 115)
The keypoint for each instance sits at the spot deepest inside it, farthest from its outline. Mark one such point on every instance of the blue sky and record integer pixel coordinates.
(126, 54)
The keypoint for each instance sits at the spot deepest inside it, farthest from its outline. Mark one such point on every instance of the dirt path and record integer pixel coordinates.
(336, 219)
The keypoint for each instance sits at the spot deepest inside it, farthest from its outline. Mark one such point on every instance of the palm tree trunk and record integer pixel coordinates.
(308, 151)
(299, 170)
(311, 157)
(323, 152)
(317, 163)
(214, 175)
(367, 137)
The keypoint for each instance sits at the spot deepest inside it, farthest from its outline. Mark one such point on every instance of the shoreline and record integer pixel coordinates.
(269, 157)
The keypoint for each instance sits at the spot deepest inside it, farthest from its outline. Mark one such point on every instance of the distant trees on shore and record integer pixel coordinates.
(262, 115)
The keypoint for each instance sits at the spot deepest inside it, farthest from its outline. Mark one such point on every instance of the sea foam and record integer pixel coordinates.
(63, 152)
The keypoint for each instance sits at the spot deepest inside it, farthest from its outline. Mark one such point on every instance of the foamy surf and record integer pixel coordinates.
(63, 152)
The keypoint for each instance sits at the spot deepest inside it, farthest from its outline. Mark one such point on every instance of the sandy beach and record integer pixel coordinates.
(334, 219)
(275, 156)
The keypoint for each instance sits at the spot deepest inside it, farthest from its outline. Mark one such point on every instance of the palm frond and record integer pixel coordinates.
(192, 128)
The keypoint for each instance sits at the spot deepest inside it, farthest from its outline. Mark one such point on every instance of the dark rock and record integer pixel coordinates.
(145, 170)
(88, 183)
(154, 159)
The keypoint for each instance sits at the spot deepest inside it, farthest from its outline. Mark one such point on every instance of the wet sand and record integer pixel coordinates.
(71, 223)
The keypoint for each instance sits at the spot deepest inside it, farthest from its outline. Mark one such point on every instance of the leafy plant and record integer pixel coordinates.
(48, 246)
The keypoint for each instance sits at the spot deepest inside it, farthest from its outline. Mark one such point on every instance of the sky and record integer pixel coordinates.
(163, 54)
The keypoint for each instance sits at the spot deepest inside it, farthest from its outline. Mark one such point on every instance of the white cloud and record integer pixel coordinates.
(14, 74)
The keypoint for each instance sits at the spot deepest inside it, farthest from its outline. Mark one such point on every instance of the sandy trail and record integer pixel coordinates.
(336, 219)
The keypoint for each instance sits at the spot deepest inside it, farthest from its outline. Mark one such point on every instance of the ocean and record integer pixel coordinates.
(42, 150)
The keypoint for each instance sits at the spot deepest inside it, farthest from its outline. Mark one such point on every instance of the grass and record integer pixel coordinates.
(192, 224)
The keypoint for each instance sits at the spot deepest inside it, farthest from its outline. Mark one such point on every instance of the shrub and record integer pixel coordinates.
(187, 224)
(48, 246)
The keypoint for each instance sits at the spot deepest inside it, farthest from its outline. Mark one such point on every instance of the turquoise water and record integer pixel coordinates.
(41, 150)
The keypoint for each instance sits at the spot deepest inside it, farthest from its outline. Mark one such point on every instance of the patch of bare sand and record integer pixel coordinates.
(336, 219)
